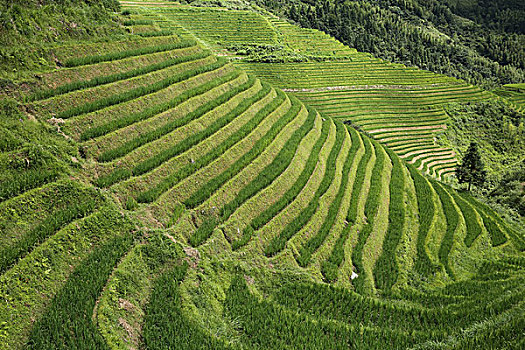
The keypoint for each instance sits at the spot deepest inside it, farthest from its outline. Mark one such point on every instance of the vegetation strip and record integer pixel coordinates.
(118, 55)
(171, 126)
(330, 266)
(143, 90)
(155, 33)
(349, 307)
(263, 179)
(149, 112)
(306, 251)
(192, 140)
(278, 243)
(290, 195)
(268, 325)
(167, 327)
(156, 160)
(171, 180)
(18, 182)
(452, 219)
(371, 207)
(386, 268)
(68, 321)
(471, 220)
(493, 225)
(55, 221)
(426, 210)
(212, 185)
(101, 80)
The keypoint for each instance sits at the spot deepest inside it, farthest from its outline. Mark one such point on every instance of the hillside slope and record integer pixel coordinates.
(157, 196)
(478, 41)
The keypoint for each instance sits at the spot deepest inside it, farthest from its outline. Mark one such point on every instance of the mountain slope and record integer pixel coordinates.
(159, 196)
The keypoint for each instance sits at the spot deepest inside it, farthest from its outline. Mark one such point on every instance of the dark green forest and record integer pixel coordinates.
(479, 41)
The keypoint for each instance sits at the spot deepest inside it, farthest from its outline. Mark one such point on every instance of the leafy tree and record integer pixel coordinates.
(471, 168)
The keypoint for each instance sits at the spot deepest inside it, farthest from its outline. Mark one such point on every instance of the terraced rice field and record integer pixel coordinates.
(224, 212)
(218, 28)
(399, 106)
(309, 41)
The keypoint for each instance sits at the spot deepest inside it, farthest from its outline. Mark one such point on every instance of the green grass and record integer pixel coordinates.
(289, 196)
(270, 326)
(492, 222)
(329, 268)
(67, 323)
(192, 140)
(471, 220)
(452, 219)
(270, 172)
(167, 327)
(47, 268)
(15, 183)
(148, 137)
(316, 241)
(163, 156)
(142, 90)
(386, 269)
(113, 56)
(278, 243)
(426, 212)
(281, 161)
(101, 80)
(373, 200)
(58, 219)
(171, 180)
(209, 156)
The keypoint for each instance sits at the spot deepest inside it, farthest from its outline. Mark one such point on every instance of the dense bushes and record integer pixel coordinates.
(405, 32)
